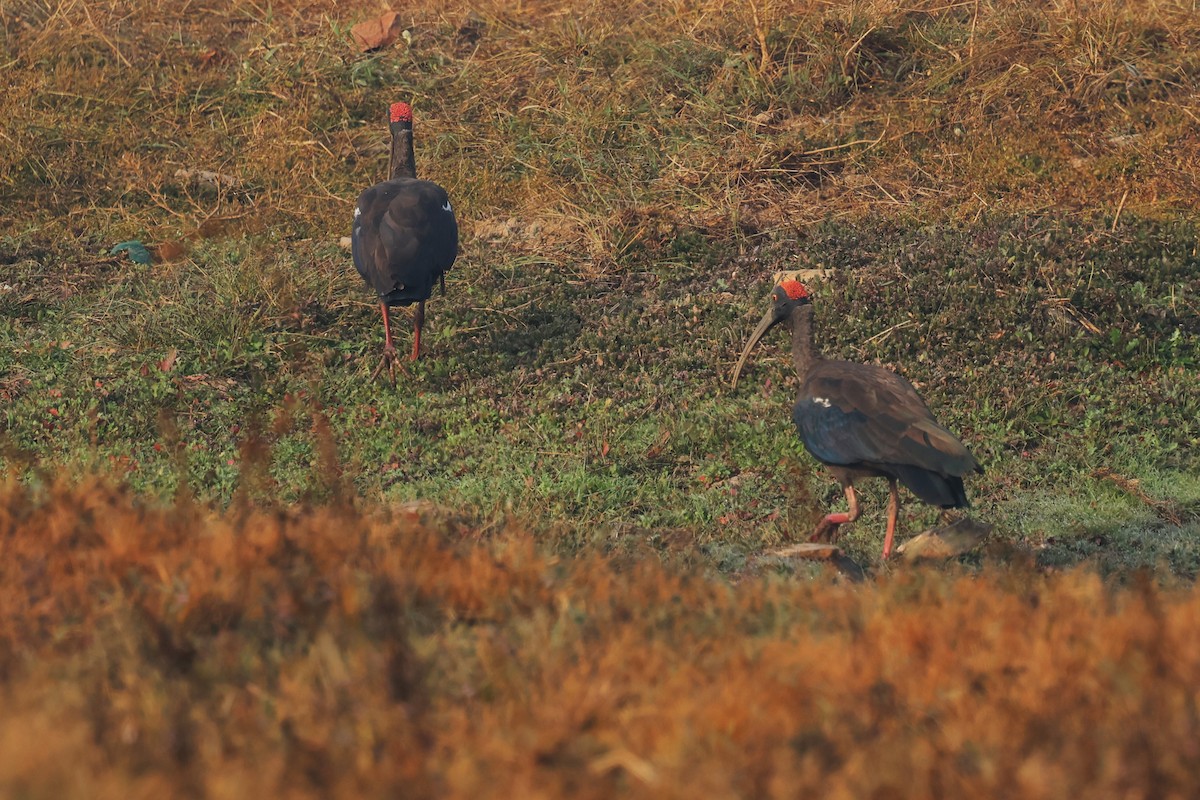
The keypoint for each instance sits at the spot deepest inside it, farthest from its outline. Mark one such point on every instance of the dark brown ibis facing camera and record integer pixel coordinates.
(405, 237)
(863, 421)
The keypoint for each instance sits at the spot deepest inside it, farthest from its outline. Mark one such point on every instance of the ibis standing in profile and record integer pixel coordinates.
(405, 237)
(863, 421)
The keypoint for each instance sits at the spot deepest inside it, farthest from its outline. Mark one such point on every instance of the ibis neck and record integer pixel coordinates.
(403, 164)
(804, 352)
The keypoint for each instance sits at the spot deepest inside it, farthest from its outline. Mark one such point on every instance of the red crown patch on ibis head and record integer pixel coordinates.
(400, 112)
(793, 289)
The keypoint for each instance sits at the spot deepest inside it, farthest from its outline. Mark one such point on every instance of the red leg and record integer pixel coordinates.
(827, 529)
(389, 350)
(418, 323)
(893, 510)
(387, 328)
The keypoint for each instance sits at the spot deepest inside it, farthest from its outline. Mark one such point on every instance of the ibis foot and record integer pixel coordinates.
(391, 361)
(826, 531)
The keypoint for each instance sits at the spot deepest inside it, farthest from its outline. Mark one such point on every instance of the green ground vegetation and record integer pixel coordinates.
(1000, 198)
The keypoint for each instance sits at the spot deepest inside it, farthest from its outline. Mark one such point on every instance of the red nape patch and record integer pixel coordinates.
(795, 289)
(401, 112)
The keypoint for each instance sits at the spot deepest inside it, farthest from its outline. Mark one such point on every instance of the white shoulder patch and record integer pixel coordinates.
(823, 402)
(447, 206)
(357, 211)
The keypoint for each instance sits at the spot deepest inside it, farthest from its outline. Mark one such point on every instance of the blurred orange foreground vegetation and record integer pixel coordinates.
(151, 651)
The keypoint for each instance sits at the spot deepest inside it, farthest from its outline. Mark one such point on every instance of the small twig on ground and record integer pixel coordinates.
(1165, 509)
(971, 35)
(853, 49)
(762, 39)
(908, 323)
(1120, 207)
(844, 145)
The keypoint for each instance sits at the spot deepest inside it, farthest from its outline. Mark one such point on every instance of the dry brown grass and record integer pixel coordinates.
(599, 126)
(330, 652)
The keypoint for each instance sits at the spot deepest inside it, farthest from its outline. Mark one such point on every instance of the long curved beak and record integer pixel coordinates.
(772, 318)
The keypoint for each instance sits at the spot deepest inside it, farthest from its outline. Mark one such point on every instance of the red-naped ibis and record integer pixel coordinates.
(863, 421)
(405, 236)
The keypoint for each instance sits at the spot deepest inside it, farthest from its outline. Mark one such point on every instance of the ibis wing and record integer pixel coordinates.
(364, 235)
(857, 413)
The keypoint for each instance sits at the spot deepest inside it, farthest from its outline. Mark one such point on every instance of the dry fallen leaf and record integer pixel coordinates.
(169, 251)
(378, 32)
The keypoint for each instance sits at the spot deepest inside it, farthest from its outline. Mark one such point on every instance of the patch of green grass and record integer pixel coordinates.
(1100, 522)
(602, 404)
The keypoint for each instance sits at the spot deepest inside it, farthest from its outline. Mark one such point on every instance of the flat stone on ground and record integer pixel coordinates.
(818, 551)
(944, 542)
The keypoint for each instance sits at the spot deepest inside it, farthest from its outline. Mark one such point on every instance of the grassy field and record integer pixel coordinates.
(1001, 193)
(1000, 199)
